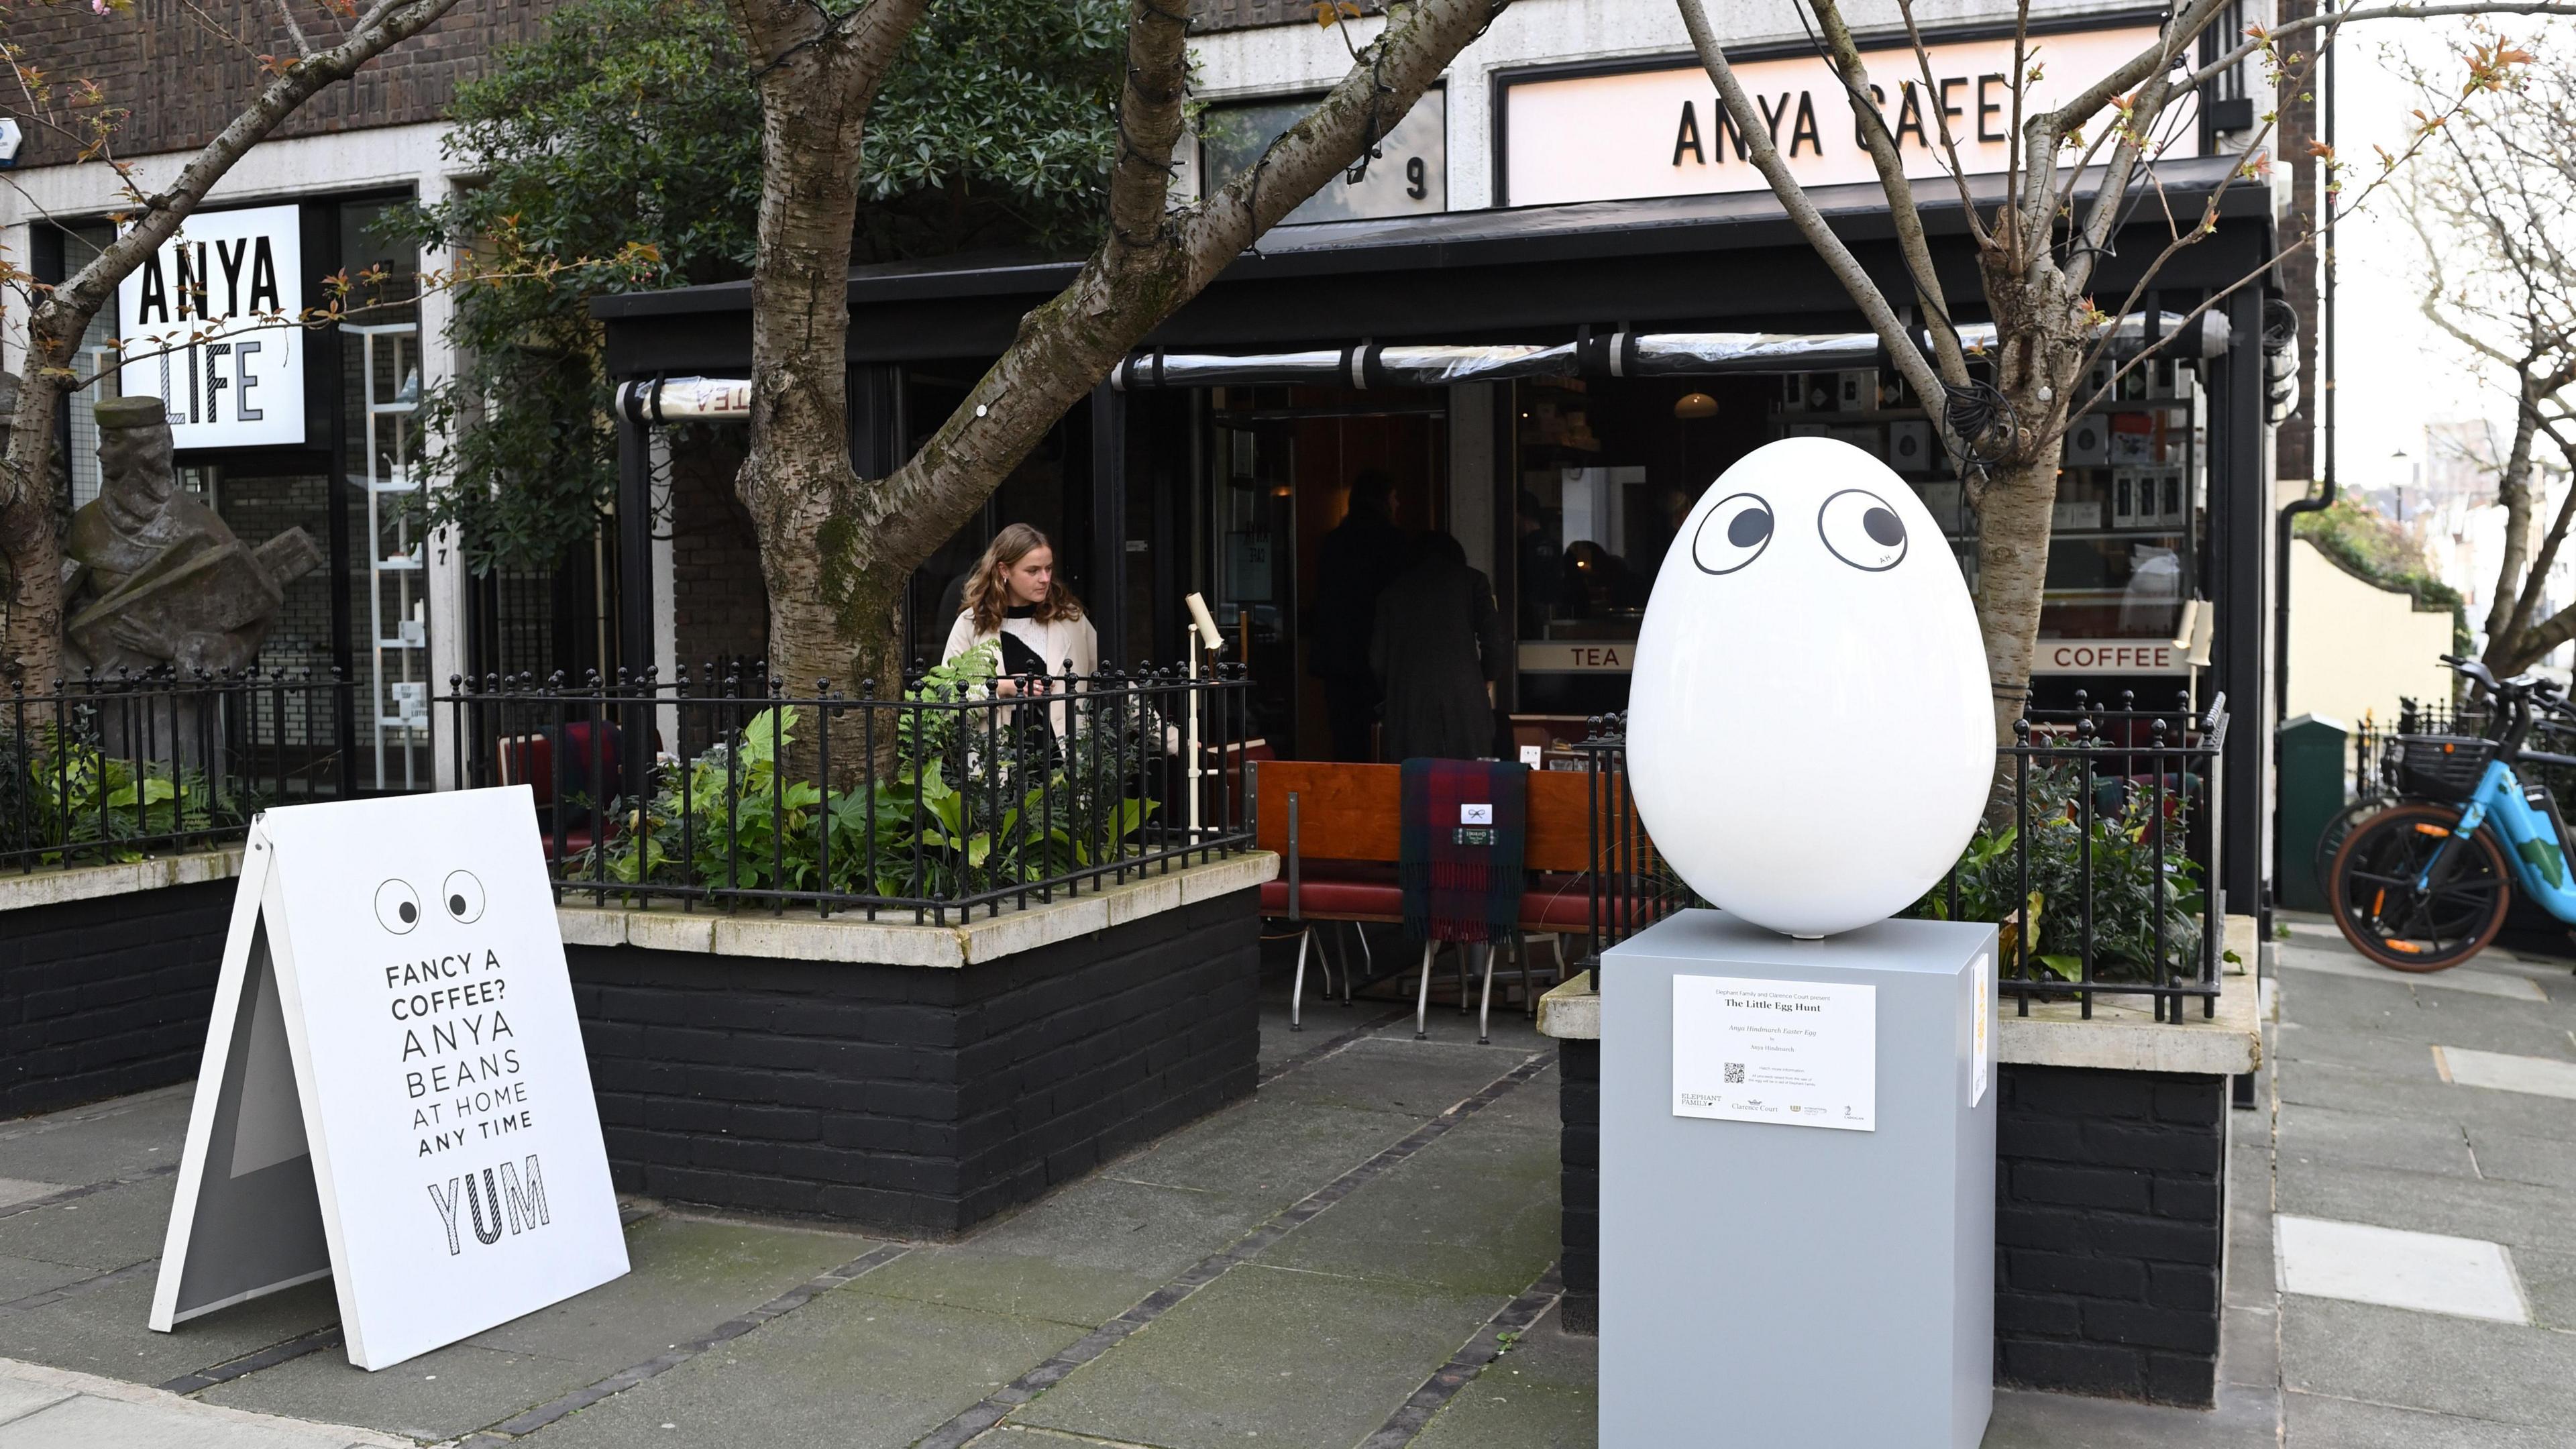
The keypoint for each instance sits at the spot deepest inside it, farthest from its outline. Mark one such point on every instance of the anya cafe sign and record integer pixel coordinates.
(1660, 130)
(211, 326)
(394, 1093)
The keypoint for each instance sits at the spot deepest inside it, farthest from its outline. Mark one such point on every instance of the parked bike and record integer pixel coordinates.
(2424, 884)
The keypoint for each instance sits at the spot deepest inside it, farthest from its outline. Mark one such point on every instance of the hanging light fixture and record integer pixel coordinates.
(1695, 405)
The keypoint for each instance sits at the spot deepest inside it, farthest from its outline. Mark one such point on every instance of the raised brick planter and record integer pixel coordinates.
(2110, 1193)
(107, 977)
(743, 1069)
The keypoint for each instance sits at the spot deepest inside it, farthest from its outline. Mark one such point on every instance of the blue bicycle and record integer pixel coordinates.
(2424, 885)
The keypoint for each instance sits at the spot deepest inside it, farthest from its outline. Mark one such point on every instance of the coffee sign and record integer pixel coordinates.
(209, 323)
(394, 1091)
(1662, 131)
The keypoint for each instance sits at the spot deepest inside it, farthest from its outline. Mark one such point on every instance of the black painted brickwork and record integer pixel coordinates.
(103, 997)
(915, 1099)
(1579, 1153)
(2109, 1214)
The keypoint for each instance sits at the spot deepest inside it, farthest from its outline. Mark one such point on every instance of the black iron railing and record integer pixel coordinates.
(99, 770)
(962, 791)
(2105, 876)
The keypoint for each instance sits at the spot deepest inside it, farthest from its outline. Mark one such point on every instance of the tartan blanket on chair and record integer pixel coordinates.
(1466, 827)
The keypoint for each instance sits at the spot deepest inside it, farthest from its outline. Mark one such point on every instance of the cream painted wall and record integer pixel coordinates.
(2356, 648)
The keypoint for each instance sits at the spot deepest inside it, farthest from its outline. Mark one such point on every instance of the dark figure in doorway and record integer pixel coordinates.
(1437, 651)
(1353, 565)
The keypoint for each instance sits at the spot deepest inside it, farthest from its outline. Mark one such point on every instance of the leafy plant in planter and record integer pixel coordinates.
(969, 807)
(69, 794)
(2129, 890)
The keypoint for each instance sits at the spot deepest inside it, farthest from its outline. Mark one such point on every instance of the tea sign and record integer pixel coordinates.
(394, 1092)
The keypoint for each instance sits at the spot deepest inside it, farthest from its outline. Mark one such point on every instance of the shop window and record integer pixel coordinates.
(1408, 175)
(381, 381)
(97, 361)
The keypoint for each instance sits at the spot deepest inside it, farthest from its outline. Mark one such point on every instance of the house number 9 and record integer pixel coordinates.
(1416, 177)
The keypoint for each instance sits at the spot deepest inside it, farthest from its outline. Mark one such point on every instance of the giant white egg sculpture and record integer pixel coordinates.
(1810, 737)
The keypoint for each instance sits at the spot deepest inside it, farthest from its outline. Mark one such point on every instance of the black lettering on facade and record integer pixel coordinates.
(1803, 129)
(1687, 138)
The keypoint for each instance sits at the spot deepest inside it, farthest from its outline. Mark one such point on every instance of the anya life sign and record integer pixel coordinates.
(1661, 131)
(209, 323)
(394, 1092)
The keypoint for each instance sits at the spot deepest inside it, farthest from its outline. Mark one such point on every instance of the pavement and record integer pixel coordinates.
(1363, 1255)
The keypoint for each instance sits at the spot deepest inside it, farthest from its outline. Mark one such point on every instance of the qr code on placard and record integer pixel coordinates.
(1735, 1074)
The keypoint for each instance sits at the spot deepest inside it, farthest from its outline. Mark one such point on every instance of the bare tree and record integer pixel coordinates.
(836, 548)
(2073, 174)
(2491, 210)
(31, 542)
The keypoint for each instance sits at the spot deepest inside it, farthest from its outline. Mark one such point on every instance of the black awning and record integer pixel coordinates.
(1728, 262)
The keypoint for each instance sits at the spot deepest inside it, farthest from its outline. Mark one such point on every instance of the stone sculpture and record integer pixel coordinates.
(156, 578)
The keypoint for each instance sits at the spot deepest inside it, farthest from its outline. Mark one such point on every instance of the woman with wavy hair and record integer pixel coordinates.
(1014, 597)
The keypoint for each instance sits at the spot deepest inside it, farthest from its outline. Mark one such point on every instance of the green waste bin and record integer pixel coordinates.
(2314, 781)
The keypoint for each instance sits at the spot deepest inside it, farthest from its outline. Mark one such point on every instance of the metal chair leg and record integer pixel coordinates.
(1529, 986)
(1422, 999)
(1368, 959)
(1485, 1005)
(1328, 960)
(1464, 975)
(1297, 989)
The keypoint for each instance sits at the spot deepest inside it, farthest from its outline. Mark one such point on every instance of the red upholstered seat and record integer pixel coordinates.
(1339, 890)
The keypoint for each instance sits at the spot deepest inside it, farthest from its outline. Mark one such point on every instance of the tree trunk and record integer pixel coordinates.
(797, 482)
(31, 524)
(2012, 573)
(2513, 490)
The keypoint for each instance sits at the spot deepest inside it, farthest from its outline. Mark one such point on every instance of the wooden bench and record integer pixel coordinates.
(1337, 829)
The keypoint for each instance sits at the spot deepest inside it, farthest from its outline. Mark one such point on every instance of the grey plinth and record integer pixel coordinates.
(1764, 1283)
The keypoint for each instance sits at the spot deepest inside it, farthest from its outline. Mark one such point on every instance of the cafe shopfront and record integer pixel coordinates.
(1553, 380)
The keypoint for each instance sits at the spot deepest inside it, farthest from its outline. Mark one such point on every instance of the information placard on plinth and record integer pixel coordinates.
(1797, 1186)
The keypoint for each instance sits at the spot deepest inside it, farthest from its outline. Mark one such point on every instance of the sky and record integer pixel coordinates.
(2397, 373)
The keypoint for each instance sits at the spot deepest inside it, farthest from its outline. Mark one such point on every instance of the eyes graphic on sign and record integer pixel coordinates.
(1857, 527)
(460, 895)
(463, 897)
(1862, 530)
(397, 907)
(1733, 534)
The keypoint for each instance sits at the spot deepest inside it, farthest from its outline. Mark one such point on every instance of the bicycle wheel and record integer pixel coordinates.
(2339, 828)
(2386, 918)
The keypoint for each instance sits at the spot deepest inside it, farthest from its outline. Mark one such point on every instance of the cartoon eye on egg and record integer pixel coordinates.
(1856, 525)
(398, 905)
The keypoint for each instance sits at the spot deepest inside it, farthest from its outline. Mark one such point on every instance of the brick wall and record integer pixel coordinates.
(913, 1099)
(103, 997)
(1579, 1151)
(719, 605)
(182, 83)
(2110, 1210)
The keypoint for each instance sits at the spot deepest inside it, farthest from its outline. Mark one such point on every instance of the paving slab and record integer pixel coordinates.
(22, 1276)
(1493, 1413)
(1126, 1227)
(2498, 1212)
(2427, 1272)
(686, 1271)
(2378, 1052)
(1474, 1212)
(86, 1422)
(2243, 1420)
(101, 1331)
(1273, 1149)
(1404, 1077)
(100, 1142)
(2331, 1085)
(442, 1394)
(14, 1190)
(2507, 1072)
(848, 1369)
(20, 1396)
(1017, 1284)
(2549, 1283)
(107, 1229)
(2311, 1133)
(1281, 1356)
(2510, 986)
(2513, 1157)
(2459, 1366)
(2318, 1422)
